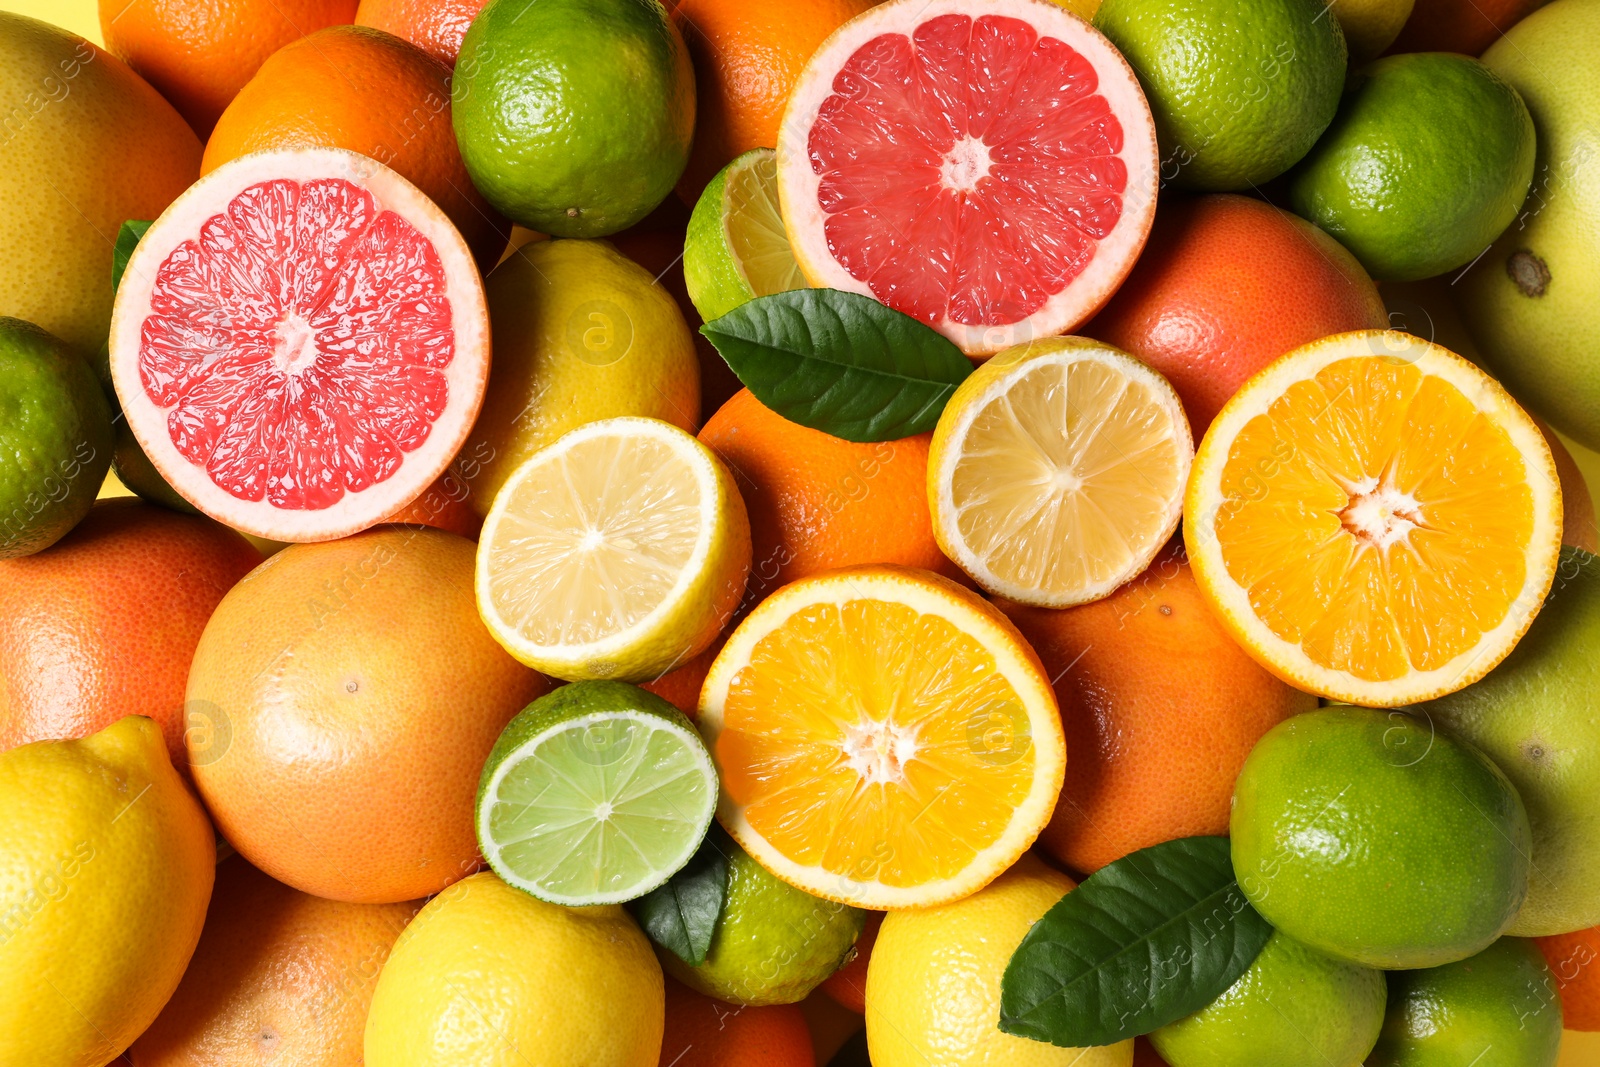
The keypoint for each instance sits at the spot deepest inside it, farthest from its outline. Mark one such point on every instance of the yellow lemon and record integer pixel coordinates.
(490, 976)
(933, 983)
(580, 333)
(106, 865)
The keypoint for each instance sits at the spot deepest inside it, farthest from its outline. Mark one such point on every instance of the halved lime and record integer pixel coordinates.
(737, 248)
(596, 793)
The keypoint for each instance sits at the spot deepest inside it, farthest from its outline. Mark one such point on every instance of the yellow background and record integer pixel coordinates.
(81, 16)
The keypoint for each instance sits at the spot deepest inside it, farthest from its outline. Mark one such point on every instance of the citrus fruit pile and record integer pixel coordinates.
(800, 533)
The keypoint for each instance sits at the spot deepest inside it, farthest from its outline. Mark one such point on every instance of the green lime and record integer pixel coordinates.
(55, 438)
(737, 248)
(595, 793)
(574, 117)
(1496, 1009)
(1534, 715)
(1379, 839)
(1430, 158)
(1530, 302)
(1294, 1007)
(774, 943)
(1240, 91)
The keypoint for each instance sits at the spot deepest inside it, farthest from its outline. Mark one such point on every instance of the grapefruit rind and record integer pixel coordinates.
(929, 594)
(1231, 602)
(466, 375)
(1114, 257)
(990, 384)
(689, 615)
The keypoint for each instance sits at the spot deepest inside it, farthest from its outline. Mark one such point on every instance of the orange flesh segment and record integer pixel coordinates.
(1376, 519)
(875, 742)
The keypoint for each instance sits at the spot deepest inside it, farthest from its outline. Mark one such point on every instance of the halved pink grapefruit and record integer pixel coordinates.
(986, 166)
(300, 343)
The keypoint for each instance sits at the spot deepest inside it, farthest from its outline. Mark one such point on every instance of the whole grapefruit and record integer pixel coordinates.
(1160, 708)
(88, 145)
(1226, 285)
(353, 694)
(103, 624)
(279, 977)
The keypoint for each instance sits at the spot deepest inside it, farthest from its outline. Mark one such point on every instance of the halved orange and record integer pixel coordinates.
(1374, 518)
(884, 737)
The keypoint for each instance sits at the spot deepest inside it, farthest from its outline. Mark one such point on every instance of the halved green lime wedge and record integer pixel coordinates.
(596, 793)
(736, 248)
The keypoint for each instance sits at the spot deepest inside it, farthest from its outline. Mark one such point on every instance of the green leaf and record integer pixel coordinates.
(127, 240)
(840, 362)
(681, 916)
(1145, 941)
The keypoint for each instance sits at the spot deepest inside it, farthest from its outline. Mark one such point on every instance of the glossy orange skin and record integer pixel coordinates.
(702, 1032)
(817, 502)
(199, 53)
(1575, 960)
(356, 694)
(1160, 709)
(747, 55)
(1226, 285)
(371, 92)
(681, 687)
(435, 26)
(848, 985)
(443, 505)
(104, 623)
(1577, 506)
(280, 979)
(1466, 26)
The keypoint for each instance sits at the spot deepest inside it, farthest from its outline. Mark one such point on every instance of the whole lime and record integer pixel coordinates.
(1429, 159)
(1496, 1009)
(1530, 302)
(1378, 839)
(1240, 91)
(55, 438)
(1294, 1005)
(574, 117)
(774, 943)
(581, 333)
(1534, 715)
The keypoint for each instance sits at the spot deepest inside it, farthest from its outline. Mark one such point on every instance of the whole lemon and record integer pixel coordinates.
(580, 334)
(491, 976)
(933, 983)
(106, 866)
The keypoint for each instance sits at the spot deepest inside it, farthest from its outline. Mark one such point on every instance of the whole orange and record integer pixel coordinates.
(104, 623)
(1226, 285)
(1575, 960)
(817, 502)
(680, 686)
(368, 91)
(848, 985)
(747, 56)
(1577, 506)
(702, 1032)
(199, 53)
(352, 695)
(280, 977)
(435, 26)
(1160, 708)
(443, 505)
(1466, 26)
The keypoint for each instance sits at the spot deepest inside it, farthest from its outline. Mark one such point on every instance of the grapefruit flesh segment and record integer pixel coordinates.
(986, 167)
(299, 343)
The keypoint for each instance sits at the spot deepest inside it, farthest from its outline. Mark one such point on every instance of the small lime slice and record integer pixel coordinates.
(736, 248)
(596, 793)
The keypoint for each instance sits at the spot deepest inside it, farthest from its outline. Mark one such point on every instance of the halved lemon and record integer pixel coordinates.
(619, 551)
(1057, 471)
(736, 248)
(884, 737)
(1374, 518)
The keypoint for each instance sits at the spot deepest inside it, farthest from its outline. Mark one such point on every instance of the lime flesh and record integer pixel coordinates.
(737, 248)
(596, 793)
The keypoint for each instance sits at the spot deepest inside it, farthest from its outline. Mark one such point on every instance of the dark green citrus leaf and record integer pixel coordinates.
(128, 238)
(840, 362)
(681, 915)
(1147, 940)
